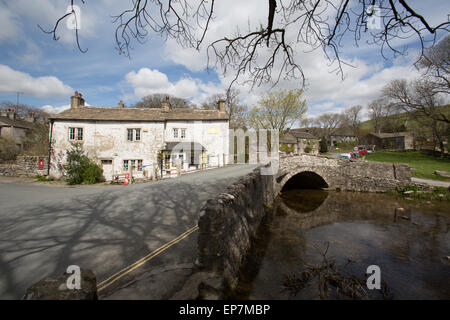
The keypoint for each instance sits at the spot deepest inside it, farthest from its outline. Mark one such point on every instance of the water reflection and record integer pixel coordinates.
(304, 200)
(409, 241)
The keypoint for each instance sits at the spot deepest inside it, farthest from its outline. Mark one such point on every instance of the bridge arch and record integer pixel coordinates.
(306, 179)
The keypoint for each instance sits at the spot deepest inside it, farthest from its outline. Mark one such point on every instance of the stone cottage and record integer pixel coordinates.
(297, 142)
(389, 141)
(13, 128)
(141, 141)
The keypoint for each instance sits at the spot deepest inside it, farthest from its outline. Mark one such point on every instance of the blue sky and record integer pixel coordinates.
(47, 71)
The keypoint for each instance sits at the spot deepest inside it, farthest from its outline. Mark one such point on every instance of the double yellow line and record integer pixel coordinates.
(106, 283)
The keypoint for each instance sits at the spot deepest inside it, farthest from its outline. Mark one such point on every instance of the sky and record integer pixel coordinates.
(47, 72)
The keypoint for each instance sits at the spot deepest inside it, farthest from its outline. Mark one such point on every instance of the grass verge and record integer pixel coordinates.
(424, 164)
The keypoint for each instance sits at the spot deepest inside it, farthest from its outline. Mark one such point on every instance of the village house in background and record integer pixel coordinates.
(297, 141)
(141, 141)
(389, 141)
(13, 128)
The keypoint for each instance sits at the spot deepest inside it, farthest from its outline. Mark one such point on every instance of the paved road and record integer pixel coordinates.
(44, 229)
(431, 182)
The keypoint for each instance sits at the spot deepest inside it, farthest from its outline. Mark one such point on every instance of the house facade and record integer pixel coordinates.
(141, 141)
(298, 142)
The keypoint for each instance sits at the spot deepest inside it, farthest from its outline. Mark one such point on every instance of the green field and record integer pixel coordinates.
(423, 163)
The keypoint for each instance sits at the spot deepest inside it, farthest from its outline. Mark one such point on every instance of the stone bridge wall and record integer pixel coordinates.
(228, 224)
(346, 175)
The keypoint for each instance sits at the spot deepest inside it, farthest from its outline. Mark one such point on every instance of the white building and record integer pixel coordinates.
(128, 140)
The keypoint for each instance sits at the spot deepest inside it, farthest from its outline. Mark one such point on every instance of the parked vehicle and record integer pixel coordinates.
(348, 155)
(362, 150)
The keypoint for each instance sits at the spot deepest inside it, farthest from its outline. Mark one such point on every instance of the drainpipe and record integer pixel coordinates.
(49, 147)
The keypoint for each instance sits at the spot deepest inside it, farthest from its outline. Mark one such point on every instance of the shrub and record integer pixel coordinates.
(92, 173)
(8, 149)
(79, 168)
(323, 145)
(43, 178)
(308, 149)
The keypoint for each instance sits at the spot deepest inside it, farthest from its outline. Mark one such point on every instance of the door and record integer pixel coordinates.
(107, 169)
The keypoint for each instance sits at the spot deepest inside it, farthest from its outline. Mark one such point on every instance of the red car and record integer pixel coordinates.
(362, 150)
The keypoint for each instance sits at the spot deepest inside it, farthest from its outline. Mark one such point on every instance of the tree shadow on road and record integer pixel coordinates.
(104, 231)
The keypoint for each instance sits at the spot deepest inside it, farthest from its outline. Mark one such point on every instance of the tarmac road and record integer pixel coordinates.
(44, 229)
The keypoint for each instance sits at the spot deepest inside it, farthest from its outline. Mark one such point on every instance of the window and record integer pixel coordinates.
(71, 133)
(79, 134)
(138, 134)
(132, 165)
(175, 133)
(133, 134)
(75, 134)
(183, 133)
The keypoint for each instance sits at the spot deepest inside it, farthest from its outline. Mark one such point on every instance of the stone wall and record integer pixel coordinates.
(227, 225)
(24, 166)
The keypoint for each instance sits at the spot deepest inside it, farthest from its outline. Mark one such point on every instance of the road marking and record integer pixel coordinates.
(107, 282)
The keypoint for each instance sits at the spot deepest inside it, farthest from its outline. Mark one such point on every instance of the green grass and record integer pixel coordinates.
(423, 163)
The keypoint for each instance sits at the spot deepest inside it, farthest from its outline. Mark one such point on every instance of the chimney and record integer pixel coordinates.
(120, 104)
(76, 101)
(221, 105)
(11, 113)
(165, 105)
(30, 118)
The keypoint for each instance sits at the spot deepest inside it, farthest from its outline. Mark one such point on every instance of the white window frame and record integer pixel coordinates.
(76, 133)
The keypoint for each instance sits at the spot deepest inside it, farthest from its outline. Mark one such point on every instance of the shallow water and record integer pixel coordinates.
(409, 240)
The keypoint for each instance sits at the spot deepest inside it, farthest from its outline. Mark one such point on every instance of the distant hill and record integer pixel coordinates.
(403, 121)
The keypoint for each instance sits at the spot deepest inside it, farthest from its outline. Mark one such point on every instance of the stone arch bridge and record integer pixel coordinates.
(306, 171)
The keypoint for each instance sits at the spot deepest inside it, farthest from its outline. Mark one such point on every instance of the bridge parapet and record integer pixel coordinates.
(346, 175)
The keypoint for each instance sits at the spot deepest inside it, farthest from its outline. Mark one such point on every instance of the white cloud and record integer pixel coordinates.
(147, 81)
(42, 87)
(58, 109)
(52, 109)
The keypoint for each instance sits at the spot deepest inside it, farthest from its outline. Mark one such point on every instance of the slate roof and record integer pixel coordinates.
(384, 135)
(288, 138)
(302, 135)
(5, 121)
(138, 114)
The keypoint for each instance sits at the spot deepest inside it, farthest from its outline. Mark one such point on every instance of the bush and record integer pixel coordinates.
(323, 145)
(43, 178)
(308, 149)
(79, 168)
(92, 173)
(8, 149)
